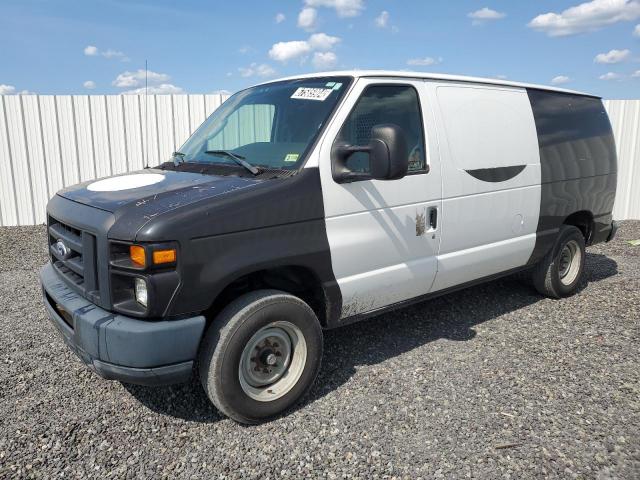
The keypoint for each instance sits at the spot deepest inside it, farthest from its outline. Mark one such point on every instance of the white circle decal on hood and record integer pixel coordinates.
(125, 182)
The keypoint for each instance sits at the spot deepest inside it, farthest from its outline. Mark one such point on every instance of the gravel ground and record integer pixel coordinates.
(490, 382)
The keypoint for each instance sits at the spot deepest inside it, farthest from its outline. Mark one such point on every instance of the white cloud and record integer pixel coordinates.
(324, 60)
(322, 41)
(613, 56)
(318, 42)
(636, 74)
(424, 62)
(610, 76)
(382, 20)
(264, 70)
(162, 89)
(344, 8)
(500, 77)
(485, 15)
(92, 51)
(7, 89)
(114, 54)
(636, 31)
(560, 80)
(284, 51)
(258, 70)
(11, 90)
(89, 84)
(221, 92)
(586, 17)
(308, 19)
(137, 79)
(280, 17)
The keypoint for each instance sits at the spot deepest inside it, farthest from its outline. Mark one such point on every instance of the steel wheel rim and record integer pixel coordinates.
(272, 361)
(569, 262)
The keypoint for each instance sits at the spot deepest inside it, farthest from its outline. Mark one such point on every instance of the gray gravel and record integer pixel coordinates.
(491, 382)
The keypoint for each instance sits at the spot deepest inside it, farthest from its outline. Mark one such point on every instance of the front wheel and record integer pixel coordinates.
(260, 355)
(560, 272)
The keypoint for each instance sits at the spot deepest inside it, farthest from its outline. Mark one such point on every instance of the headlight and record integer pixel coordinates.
(141, 291)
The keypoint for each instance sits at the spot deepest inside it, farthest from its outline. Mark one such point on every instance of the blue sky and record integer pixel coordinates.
(74, 46)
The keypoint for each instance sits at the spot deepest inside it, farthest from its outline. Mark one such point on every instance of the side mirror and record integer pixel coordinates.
(388, 156)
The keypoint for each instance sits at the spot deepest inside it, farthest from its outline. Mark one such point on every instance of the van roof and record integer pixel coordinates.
(431, 76)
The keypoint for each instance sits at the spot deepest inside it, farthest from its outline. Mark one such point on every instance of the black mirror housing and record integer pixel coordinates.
(388, 156)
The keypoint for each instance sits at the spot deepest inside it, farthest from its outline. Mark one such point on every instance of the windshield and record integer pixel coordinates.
(269, 126)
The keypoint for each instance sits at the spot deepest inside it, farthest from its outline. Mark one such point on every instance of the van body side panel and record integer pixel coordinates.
(491, 181)
(578, 164)
(277, 223)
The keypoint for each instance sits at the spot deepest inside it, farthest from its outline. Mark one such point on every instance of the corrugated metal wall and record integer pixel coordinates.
(48, 142)
(625, 119)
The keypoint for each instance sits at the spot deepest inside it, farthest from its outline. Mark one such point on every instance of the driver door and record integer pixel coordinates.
(384, 235)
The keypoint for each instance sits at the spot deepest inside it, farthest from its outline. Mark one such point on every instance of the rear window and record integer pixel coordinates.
(574, 135)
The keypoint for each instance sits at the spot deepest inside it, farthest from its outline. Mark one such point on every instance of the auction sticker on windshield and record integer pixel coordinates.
(308, 93)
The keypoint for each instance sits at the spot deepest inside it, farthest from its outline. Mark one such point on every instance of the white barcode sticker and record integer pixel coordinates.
(308, 93)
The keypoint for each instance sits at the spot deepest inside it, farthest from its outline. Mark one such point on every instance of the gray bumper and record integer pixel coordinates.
(118, 347)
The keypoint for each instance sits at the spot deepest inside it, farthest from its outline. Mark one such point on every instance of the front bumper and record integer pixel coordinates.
(119, 347)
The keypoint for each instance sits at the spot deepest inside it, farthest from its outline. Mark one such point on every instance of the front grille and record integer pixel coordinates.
(73, 255)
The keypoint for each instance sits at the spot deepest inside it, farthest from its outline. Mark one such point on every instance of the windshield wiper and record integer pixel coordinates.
(236, 158)
(178, 158)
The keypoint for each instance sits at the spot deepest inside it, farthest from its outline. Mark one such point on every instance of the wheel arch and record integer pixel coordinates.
(583, 220)
(297, 280)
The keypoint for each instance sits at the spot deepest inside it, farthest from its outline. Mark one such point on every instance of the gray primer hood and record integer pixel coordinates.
(135, 207)
(177, 187)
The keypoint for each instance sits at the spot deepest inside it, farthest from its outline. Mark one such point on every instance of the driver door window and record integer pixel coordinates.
(397, 104)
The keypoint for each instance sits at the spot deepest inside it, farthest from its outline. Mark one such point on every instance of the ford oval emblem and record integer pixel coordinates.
(61, 249)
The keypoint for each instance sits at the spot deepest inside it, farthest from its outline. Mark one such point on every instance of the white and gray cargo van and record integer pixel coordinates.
(307, 203)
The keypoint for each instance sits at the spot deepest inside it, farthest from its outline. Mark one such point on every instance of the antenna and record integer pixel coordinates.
(146, 114)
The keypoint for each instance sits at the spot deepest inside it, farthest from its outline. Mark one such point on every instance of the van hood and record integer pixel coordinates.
(158, 205)
(154, 190)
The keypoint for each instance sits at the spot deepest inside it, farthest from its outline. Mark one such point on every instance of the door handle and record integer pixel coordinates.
(433, 218)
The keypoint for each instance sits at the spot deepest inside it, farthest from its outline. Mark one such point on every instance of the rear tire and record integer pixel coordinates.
(260, 355)
(561, 270)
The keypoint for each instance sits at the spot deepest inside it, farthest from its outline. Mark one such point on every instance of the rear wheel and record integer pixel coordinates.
(260, 355)
(560, 272)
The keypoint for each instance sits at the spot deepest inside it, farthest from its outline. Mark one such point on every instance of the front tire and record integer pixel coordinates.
(560, 272)
(260, 355)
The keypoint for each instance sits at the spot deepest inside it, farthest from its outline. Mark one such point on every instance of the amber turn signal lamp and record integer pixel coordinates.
(164, 256)
(136, 253)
